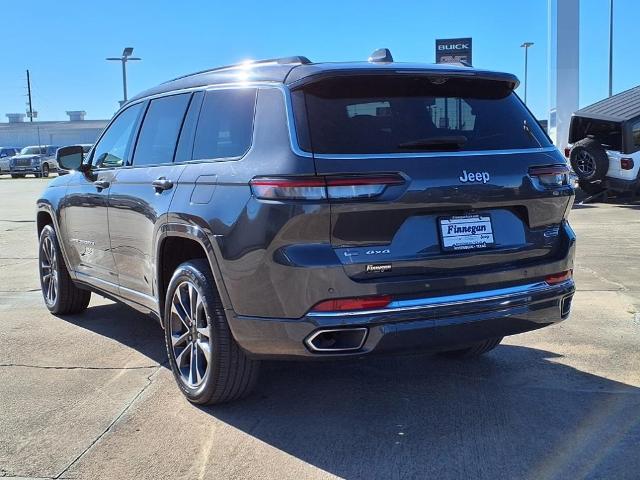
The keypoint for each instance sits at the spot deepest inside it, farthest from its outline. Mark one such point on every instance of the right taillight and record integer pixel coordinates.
(342, 188)
(551, 176)
(626, 163)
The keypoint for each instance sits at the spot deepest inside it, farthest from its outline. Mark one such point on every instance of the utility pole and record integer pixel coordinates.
(526, 46)
(29, 95)
(611, 47)
(126, 56)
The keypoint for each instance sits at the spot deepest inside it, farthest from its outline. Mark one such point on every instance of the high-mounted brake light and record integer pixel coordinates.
(350, 304)
(551, 176)
(559, 277)
(321, 188)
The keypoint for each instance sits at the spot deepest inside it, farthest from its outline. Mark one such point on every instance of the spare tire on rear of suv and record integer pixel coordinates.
(590, 162)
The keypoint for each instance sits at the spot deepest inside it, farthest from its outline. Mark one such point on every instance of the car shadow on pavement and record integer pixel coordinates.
(126, 326)
(517, 412)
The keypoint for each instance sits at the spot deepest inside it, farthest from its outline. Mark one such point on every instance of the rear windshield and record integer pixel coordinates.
(404, 114)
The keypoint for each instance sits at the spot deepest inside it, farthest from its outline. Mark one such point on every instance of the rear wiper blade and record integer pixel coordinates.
(452, 142)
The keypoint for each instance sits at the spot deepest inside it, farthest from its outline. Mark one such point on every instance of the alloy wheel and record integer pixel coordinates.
(585, 164)
(49, 270)
(189, 328)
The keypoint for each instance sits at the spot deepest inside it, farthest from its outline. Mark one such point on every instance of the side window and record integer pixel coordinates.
(160, 129)
(184, 149)
(635, 133)
(225, 126)
(111, 150)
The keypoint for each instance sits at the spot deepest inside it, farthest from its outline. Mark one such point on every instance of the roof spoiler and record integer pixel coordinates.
(509, 80)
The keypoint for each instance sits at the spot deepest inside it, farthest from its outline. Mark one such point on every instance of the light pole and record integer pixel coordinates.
(526, 46)
(126, 56)
(611, 48)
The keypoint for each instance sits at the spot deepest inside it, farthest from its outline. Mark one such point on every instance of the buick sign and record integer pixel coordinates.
(453, 50)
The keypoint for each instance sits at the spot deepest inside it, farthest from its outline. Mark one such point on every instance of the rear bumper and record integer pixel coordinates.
(622, 185)
(434, 323)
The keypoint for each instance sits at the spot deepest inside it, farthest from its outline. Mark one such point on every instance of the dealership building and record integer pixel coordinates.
(19, 133)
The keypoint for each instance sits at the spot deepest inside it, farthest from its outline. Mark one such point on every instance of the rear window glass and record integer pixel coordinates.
(225, 127)
(397, 114)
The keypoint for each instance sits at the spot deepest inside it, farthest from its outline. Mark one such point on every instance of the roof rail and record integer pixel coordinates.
(299, 59)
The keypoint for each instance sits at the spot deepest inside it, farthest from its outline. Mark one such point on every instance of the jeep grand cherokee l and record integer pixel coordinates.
(295, 210)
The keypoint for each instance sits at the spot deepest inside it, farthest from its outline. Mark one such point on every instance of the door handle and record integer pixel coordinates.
(162, 184)
(101, 184)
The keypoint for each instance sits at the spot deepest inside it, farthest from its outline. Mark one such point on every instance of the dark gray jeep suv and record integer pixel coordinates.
(285, 209)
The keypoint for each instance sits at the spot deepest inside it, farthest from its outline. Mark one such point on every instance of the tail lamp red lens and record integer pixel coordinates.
(626, 163)
(551, 176)
(350, 304)
(321, 188)
(559, 277)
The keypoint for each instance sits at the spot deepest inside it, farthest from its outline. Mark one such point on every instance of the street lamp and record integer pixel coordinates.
(126, 56)
(611, 48)
(526, 46)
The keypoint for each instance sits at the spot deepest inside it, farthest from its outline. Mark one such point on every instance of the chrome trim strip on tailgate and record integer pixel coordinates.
(448, 300)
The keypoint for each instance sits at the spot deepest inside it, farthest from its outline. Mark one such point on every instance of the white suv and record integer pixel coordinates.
(605, 144)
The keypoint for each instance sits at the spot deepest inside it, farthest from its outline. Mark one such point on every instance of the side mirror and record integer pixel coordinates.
(70, 158)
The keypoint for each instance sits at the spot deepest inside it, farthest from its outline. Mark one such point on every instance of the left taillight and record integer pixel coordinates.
(551, 176)
(323, 188)
(302, 188)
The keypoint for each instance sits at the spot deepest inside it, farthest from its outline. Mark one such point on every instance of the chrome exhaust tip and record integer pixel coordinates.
(565, 306)
(337, 340)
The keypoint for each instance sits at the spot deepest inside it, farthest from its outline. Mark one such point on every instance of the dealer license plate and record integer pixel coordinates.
(468, 232)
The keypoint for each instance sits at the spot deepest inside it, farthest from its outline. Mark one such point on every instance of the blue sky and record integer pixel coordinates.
(64, 43)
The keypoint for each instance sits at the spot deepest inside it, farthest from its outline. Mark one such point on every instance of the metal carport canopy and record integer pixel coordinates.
(617, 108)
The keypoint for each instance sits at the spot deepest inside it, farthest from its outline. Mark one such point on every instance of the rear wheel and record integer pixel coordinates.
(474, 350)
(61, 296)
(207, 363)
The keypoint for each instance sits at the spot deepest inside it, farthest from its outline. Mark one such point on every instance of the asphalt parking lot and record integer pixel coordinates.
(90, 396)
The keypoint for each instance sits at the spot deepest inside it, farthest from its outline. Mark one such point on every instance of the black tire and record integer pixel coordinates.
(589, 160)
(474, 350)
(67, 298)
(45, 170)
(229, 374)
(591, 188)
